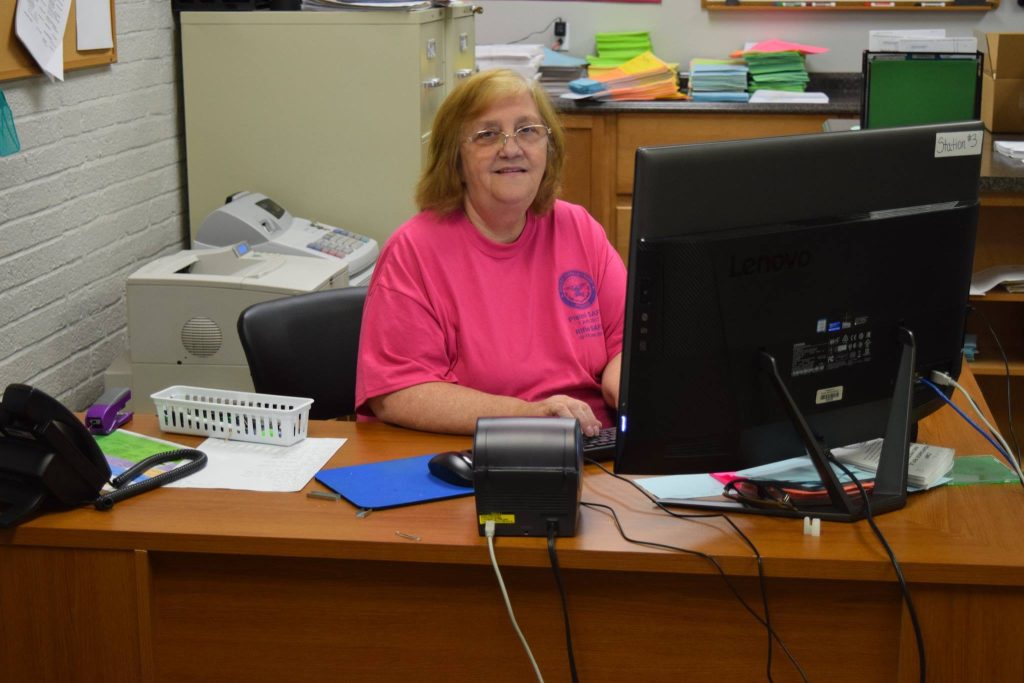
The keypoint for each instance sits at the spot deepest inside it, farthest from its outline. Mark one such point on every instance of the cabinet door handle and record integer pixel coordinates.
(463, 73)
(433, 83)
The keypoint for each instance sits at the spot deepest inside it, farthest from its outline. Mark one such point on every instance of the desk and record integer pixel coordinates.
(191, 584)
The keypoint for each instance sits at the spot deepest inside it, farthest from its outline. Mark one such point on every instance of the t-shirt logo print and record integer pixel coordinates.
(577, 289)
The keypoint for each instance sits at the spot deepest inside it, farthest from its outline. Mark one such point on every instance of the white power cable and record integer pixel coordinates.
(489, 533)
(942, 379)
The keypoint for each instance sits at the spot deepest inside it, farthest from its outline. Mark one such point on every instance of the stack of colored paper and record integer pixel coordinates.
(778, 65)
(645, 77)
(615, 49)
(558, 70)
(777, 71)
(718, 80)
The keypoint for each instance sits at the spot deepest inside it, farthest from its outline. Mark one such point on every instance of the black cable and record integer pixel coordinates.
(519, 40)
(1009, 382)
(921, 659)
(197, 461)
(766, 622)
(552, 529)
(714, 563)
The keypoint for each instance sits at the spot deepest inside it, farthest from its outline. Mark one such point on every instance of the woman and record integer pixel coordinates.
(496, 299)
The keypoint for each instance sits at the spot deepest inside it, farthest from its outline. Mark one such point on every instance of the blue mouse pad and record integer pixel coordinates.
(389, 484)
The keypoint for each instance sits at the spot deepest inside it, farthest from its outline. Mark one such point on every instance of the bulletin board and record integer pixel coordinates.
(16, 62)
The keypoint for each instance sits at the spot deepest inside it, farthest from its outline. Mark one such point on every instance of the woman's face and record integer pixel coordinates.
(503, 174)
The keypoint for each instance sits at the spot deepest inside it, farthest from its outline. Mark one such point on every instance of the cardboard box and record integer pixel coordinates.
(1004, 54)
(1002, 86)
(1002, 104)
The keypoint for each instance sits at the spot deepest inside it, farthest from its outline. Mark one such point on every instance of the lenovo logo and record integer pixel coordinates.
(768, 263)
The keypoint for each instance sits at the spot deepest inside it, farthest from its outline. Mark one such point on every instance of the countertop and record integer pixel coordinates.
(843, 89)
(999, 174)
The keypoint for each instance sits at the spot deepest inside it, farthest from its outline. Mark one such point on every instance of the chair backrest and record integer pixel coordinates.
(306, 345)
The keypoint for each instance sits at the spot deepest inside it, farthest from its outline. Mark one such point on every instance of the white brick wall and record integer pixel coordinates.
(97, 190)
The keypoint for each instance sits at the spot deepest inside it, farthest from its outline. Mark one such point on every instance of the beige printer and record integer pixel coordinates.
(183, 310)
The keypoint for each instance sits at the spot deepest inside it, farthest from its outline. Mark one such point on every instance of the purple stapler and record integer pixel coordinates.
(107, 413)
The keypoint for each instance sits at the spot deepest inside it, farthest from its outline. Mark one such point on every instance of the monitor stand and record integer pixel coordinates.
(890, 489)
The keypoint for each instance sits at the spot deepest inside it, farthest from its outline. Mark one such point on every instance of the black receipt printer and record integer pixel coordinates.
(527, 475)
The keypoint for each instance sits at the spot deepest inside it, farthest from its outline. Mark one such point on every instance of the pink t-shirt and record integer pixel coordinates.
(531, 319)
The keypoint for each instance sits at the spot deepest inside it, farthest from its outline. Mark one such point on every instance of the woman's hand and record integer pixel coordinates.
(560, 405)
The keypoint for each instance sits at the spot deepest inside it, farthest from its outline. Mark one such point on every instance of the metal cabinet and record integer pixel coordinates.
(328, 113)
(459, 43)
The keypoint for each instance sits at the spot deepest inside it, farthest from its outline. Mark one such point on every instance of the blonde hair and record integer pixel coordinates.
(441, 188)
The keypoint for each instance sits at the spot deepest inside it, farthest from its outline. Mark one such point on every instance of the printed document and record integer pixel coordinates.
(259, 467)
(40, 25)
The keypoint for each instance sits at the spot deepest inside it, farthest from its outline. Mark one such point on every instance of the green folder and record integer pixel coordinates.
(919, 88)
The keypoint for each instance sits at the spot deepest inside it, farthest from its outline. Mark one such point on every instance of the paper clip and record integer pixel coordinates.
(411, 537)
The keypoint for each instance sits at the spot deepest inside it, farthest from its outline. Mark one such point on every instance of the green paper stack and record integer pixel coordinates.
(614, 49)
(777, 71)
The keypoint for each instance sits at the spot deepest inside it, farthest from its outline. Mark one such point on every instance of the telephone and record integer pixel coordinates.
(48, 460)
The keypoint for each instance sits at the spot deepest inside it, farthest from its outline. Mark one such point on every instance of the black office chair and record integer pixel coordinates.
(306, 345)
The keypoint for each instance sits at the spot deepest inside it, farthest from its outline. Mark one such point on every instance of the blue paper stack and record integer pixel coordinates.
(718, 80)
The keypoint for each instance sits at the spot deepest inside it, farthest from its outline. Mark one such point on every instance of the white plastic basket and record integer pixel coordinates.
(237, 415)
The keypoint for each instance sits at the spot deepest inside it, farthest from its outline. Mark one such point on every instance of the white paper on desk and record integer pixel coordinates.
(762, 96)
(40, 25)
(260, 467)
(92, 18)
(802, 469)
(682, 486)
(985, 280)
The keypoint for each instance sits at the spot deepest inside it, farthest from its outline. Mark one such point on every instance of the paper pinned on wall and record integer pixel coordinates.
(40, 24)
(93, 22)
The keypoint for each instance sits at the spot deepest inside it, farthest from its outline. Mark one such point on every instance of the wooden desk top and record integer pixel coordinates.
(967, 535)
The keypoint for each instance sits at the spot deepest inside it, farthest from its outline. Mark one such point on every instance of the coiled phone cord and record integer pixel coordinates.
(197, 461)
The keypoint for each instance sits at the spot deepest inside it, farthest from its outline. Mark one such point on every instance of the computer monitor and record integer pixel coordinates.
(817, 251)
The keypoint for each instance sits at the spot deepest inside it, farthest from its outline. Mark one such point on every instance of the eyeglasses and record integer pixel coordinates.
(525, 136)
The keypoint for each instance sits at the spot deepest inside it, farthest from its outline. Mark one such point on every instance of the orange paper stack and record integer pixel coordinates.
(645, 77)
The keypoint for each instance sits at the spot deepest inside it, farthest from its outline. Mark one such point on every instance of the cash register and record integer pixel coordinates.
(264, 225)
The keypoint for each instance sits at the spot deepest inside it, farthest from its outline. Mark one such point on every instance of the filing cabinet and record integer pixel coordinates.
(328, 113)
(459, 43)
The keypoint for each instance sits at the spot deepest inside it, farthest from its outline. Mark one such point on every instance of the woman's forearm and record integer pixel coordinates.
(454, 409)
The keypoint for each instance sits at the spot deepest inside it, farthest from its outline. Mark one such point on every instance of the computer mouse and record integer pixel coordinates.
(454, 467)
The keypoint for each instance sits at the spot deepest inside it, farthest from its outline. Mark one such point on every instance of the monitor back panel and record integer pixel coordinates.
(758, 182)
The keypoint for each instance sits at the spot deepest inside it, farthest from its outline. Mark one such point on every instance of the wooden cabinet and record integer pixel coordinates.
(602, 147)
(1000, 242)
